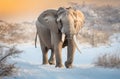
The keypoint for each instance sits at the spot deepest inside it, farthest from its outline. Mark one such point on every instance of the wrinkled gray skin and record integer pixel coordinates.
(56, 29)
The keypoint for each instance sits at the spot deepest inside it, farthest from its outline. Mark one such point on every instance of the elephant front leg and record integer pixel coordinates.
(70, 53)
(58, 51)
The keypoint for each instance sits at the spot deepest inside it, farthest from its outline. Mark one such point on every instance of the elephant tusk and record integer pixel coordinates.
(76, 43)
(63, 37)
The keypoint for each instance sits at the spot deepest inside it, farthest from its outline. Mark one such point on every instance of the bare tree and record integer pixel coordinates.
(5, 54)
(108, 60)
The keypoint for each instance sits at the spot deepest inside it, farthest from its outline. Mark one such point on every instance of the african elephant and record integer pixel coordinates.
(57, 29)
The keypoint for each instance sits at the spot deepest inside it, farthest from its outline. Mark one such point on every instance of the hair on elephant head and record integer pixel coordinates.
(70, 21)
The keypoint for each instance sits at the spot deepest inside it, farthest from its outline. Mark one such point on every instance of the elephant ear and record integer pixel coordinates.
(78, 20)
(48, 18)
(60, 14)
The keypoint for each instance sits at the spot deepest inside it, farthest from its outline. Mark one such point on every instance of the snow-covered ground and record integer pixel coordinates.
(30, 67)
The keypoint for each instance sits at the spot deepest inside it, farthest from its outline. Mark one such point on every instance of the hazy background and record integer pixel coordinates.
(28, 10)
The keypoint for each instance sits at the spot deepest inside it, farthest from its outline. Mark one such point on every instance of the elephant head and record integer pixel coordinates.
(70, 21)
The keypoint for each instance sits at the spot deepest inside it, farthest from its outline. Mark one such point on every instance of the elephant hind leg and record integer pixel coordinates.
(52, 58)
(45, 54)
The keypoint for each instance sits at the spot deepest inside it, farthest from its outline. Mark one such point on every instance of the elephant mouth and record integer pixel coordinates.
(74, 37)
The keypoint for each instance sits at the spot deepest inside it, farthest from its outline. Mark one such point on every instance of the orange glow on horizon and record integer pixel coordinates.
(31, 8)
(26, 8)
(13, 6)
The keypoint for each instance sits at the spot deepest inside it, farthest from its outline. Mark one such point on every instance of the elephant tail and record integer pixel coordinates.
(36, 40)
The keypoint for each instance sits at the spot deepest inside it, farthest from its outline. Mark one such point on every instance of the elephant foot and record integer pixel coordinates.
(45, 63)
(68, 64)
(59, 65)
(51, 62)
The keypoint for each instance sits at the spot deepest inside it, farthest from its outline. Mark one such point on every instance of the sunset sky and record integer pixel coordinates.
(16, 10)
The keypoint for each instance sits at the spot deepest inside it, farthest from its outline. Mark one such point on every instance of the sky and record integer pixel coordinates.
(26, 10)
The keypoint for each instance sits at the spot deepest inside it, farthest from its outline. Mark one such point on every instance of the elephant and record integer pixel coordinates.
(57, 29)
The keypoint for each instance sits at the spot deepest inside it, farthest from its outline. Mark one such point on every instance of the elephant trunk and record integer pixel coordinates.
(70, 54)
(72, 45)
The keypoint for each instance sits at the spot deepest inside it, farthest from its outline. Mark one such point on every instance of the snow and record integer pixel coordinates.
(30, 67)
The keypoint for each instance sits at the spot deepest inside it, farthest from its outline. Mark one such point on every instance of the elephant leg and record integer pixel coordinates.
(57, 48)
(52, 58)
(44, 52)
(70, 53)
(45, 55)
(58, 51)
